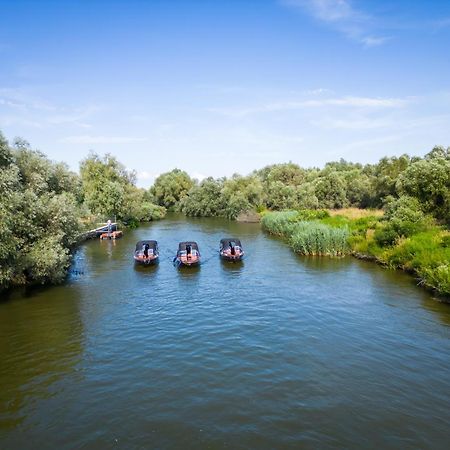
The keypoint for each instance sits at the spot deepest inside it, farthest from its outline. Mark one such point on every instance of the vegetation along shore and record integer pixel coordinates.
(45, 208)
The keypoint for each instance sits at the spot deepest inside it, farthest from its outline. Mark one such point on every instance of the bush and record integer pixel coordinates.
(438, 278)
(403, 218)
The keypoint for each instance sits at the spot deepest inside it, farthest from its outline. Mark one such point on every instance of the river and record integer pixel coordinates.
(279, 352)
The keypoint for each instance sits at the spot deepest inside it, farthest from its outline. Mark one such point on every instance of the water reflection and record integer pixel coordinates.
(40, 344)
(146, 270)
(232, 266)
(189, 273)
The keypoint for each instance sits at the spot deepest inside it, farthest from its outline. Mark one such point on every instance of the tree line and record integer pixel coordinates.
(423, 181)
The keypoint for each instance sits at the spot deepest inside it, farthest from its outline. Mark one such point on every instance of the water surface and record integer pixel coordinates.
(279, 352)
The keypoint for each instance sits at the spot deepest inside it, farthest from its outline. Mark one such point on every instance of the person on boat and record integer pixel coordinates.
(109, 224)
(188, 251)
(146, 248)
(232, 249)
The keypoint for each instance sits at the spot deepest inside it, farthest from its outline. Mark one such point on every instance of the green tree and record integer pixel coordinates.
(330, 190)
(242, 194)
(104, 183)
(428, 181)
(171, 187)
(39, 223)
(385, 176)
(204, 200)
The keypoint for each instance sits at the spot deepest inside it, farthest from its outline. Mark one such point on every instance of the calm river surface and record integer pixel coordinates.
(279, 352)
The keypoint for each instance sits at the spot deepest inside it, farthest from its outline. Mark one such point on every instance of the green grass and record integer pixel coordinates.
(317, 239)
(425, 253)
(308, 237)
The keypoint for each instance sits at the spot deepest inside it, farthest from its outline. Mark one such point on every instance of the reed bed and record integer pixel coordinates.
(308, 237)
(317, 239)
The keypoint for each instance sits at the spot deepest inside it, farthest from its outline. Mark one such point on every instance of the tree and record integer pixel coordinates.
(39, 224)
(242, 194)
(171, 187)
(385, 176)
(428, 181)
(204, 200)
(5, 152)
(330, 190)
(288, 174)
(104, 183)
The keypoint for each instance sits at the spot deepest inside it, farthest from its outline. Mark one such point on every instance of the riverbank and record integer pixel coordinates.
(424, 252)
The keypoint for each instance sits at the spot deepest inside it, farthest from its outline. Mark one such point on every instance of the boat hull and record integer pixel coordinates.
(227, 256)
(187, 262)
(143, 261)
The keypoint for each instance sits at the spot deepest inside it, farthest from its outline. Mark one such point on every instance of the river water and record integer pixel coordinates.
(279, 352)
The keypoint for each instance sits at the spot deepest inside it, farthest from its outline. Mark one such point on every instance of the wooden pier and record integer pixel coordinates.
(97, 232)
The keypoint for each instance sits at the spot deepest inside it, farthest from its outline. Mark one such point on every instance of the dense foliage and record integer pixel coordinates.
(339, 184)
(170, 188)
(44, 208)
(110, 192)
(39, 216)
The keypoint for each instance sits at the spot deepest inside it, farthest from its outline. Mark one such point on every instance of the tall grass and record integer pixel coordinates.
(279, 223)
(308, 237)
(425, 253)
(315, 238)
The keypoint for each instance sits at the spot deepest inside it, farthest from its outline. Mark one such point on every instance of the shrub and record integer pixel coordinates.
(403, 219)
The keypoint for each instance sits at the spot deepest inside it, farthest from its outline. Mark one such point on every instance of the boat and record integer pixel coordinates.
(231, 249)
(146, 252)
(188, 254)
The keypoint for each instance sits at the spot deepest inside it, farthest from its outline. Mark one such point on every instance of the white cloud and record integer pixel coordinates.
(343, 17)
(24, 108)
(347, 102)
(327, 10)
(88, 139)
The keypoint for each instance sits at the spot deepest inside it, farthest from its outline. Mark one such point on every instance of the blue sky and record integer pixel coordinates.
(216, 87)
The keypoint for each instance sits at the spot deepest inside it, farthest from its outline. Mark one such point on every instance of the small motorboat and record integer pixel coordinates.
(146, 253)
(188, 254)
(231, 249)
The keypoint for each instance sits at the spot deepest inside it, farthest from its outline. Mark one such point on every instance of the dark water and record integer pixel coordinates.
(276, 353)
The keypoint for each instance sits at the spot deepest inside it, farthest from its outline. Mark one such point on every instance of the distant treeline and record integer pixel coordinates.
(290, 187)
(44, 206)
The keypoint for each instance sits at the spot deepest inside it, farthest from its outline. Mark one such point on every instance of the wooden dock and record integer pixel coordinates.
(97, 232)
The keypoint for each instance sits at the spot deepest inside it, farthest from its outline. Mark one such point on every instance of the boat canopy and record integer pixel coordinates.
(183, 245)
(226, 242)
(151, 244)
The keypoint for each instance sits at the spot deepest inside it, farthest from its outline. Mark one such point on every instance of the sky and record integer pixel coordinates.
(216, 87)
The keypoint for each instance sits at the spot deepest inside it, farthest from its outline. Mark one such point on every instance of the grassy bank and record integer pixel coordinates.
(415, 243)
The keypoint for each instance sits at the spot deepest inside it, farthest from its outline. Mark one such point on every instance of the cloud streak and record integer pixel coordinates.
(346, 102)
(87, 140)
(342, 17)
